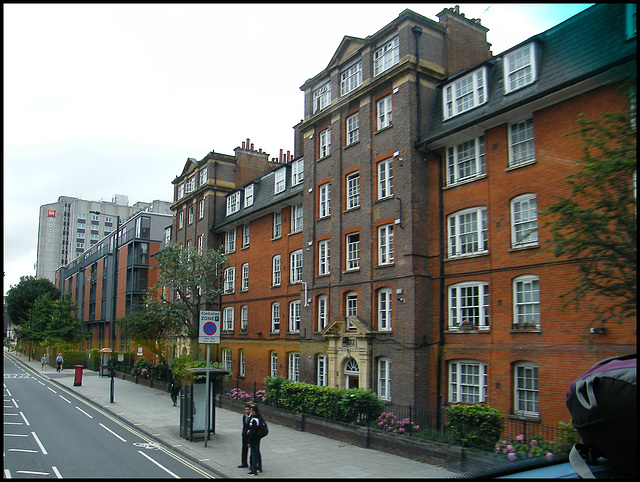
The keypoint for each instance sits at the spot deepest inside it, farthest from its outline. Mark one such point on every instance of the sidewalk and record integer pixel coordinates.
(286, 453)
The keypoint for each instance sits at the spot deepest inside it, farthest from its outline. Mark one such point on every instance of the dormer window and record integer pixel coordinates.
(280, 180)
(465, 93)
(519, 68)
(233, 203)
(248, 196)
(351, 78)
(297, 172)
(191, 184)
(386, 56)
(322, 97)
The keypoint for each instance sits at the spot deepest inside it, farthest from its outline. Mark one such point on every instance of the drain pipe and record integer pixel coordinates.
(441, 294)
(417, 31)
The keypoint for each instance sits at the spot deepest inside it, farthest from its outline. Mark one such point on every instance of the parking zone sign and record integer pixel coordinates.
(209, 327)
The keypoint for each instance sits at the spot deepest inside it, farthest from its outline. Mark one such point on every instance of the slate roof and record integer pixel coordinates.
(264, 198)
(587, 44)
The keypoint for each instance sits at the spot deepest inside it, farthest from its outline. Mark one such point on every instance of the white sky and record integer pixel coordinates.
(104, 99)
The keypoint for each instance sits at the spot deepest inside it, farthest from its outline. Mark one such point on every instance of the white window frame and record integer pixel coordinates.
(384, 378)
(181, 219)
(241, 363)
(190, 185)
(201, 209)
(233, 203)
(465, 93)
(230, 279)
(294, 367)
(522, 148)
(280, 180)
(323, 312)
(322, 371)
(384, 309)
(322, 97)
(277, 225)
(201, 244)
(181, 190)
(353, 190)
(228, 315)
(524, 221)
(324, 208)
(385, 245)
(297, 218)
(351, 308)
(295, 275)
(353, 251)
(525, 389)
(276, 267)
(191, 208)
(297, 172)
(294, 316)
(351, 78)
(273, 363)
(203, 176)
(467, 381)
(520, 68)
(469, 302)
(230, 241)
(245, 235)
(244, 285)
(275, 317)
(325, 142)
(466, 161)
(384, 108)
(324, 257)
(244, 318)
(248, 196)
(227, 360)
(474, 239)
(385, 178)
(526, 300)
(353, 128)
(386, 56)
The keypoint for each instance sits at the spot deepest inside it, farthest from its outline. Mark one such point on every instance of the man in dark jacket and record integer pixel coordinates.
(245, 437)
(254, 441)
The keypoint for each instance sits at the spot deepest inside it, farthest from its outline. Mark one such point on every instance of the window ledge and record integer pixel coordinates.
(467, 256)
(383, 129)
(511, 167)
(465, 181)
(523, 247)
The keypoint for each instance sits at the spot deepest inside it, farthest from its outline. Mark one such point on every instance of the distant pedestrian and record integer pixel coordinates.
(254, 441)
(175, 391)
(43, 360)
(245, 436)
(59, 361)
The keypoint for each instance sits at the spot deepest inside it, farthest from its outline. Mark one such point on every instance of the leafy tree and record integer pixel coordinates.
(596, 223)
(149, 329)
(20, 298)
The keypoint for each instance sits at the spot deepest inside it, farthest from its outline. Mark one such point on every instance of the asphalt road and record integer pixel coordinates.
(49, 432)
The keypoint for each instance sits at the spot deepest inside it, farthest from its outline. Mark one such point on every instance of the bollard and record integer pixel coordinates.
(77, 381)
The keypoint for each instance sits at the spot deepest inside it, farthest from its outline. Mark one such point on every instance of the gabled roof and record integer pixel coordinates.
(338, 326)
(582, 47)
(188, 168)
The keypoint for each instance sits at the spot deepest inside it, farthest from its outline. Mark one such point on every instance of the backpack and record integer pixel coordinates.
(602, 403)
(263, 428)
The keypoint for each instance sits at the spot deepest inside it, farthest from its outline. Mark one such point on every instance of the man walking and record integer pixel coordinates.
(245, 436)
(254, 441)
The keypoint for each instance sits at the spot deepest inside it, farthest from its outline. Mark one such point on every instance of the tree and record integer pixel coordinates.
(596, 223)
(187, 282)
(20, 298)
(149, 328)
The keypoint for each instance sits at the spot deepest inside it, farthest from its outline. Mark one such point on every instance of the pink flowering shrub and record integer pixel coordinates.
(237, 394)
(388, 422)
(522, 449)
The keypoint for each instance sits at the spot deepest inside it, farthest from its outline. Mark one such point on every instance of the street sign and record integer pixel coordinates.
(209, 327)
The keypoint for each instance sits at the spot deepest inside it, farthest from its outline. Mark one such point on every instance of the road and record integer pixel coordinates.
(49, 432)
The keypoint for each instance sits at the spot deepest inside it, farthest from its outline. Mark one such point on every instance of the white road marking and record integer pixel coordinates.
(23, 450)
(52, 389)
(84, 412)
(64, 399)
(44, 452)
(56, 471)
(159, 465)
(15, 435)
(24, 418)
(31, 472)
(112, 432)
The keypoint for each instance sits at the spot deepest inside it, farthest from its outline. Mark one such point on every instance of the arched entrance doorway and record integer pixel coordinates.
(352, 373)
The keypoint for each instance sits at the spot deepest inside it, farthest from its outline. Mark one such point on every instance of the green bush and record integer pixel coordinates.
(72, 358)
(474, 425)
(94, 359)
(360, 406)
(186, 361)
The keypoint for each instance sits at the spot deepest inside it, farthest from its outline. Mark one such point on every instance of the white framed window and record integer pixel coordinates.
(353, 190)
(83, 216)
(241, 363)
(525, 389)
(385, 178)
(466, 161)
(353, 128)
(385, 112)
(181, 190)
(467, 381)
(203, 176)
(167, 236)
(323, 257)
(280, 180)
(521, 143)
(385, 244)
(384, 378)
(526, 300)
(248, 196)
(233, 203)
(294, 367)
(230, 279)
(519, 68)
(275, 280)
(322, 97)
(230, 241)
(190, 185)
(181, 219)
(191, 208)
(201, 209)
(351, 78)
(324, 208)
(201, 244)
(227, 318)
(275, 317)
(323, 312)
(227, 360)
(468, 232)
(353, 251)
(325, 143)
(351, 304)
(245, 235)
(386, 56)
(384, 309)
(297, 172)
(296, 267)
(273, 363)
(469, 304)
(294, 316)
(297, 218)
(277, 224)
(465, 93)
(322, 371)
(82, 226)
(245, 277)
(524, 221)
(244, 318)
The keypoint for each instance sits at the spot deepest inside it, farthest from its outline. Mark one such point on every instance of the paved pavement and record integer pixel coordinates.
(286, 453)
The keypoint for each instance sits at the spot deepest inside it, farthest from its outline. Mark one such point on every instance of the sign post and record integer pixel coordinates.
(208, 333)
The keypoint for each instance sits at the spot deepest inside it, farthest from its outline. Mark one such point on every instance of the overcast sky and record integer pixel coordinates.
(104, 99)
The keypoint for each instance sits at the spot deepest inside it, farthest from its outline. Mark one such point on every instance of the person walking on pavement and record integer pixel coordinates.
(175, 391)
(43, 360)
(254, 441)
(59, 361)
(245, 437)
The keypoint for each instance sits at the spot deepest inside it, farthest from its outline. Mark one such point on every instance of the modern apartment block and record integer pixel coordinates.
(67, 228)
(497, 155)
(93, 277)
